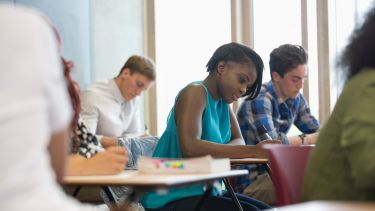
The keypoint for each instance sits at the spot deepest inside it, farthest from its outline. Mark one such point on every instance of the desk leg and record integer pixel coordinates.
(268, 168)
(232, 194)
(76, 191)
(134, 196)
(205, 195)
(110, 196)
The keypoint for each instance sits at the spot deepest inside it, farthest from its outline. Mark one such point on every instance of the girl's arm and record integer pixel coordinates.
(111, 161)
(188, 115)
(236, 138)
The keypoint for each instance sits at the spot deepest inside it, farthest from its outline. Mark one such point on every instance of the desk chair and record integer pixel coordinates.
(288, 165)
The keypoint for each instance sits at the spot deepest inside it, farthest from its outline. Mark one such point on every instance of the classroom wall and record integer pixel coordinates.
(72, 19)
(117, 33)
(97, 35)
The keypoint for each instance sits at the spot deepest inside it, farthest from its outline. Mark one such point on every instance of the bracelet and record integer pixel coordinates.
(303, 138)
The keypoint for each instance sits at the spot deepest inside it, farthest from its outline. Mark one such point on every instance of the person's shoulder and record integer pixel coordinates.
(268, 91)
(22, 13)
(99, 84)
(364, 78)
(193, 91)
(97, 88)
(13, 20)
(361, 85)
(265, 94)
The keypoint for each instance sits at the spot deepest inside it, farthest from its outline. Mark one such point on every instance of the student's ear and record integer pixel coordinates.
(220, 67)
(125, 72)
(275, 76)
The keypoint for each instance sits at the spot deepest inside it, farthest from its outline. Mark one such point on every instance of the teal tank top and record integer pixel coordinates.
(215, 128)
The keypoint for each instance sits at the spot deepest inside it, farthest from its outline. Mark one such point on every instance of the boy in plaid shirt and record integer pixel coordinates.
(278, 105)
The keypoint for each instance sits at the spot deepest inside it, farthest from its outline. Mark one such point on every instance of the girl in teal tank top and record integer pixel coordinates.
(202, 123)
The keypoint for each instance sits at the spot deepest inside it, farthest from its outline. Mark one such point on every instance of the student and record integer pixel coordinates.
(278, 106)
(89, 155)
(111, 107)
(342, 165)
(98, 155)
(202, 123)
(34, 115)
(93, 156)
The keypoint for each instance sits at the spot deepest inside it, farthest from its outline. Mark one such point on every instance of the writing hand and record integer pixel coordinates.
(260, 152)
(110, 161)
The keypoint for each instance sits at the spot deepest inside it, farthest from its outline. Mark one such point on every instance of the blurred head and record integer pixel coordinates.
(239, 69)
(360, 52)
(288, 66)
(136, 76)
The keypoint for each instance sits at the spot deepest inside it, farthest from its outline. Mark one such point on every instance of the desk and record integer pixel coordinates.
(147, 182)
(248, 161)
(328, 205)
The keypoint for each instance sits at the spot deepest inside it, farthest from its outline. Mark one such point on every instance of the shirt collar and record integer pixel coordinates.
(116, 91)
(270, 87)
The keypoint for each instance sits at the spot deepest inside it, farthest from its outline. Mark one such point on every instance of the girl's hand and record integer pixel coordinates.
(110, 161)
(260, 152)
(108, 141)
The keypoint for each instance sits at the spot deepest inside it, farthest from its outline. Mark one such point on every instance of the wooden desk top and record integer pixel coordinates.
(249, 161)
(329, 205)
(133, 178)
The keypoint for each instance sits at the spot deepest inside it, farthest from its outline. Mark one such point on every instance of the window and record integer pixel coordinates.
(344, 17)
(275, 23)
(187, 33)
(184, 45)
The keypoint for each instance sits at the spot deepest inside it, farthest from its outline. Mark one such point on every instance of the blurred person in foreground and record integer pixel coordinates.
(342, 165)
(34, 115)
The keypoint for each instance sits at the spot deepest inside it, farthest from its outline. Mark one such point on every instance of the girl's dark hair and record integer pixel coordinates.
(74, 98)
(234, 52)
(360, 52)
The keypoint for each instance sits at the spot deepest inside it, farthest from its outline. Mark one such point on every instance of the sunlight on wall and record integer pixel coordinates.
(184, 45)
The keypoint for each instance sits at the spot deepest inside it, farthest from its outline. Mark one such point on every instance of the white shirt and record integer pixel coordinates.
(106, 112)
(34, 105)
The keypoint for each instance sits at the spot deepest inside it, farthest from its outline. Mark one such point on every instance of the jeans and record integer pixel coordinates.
(136, 146)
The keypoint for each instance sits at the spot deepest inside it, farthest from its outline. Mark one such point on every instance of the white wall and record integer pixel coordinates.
(98, 35)
(72, 19)
(117, 33)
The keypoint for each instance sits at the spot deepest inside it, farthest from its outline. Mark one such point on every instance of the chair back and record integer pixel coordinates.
(288, 165)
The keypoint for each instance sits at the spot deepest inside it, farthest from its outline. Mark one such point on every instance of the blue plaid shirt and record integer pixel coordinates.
(277, 116)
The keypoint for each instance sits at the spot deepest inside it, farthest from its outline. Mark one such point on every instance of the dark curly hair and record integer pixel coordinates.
(360, 52)
(238, 53)
(286, 57)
